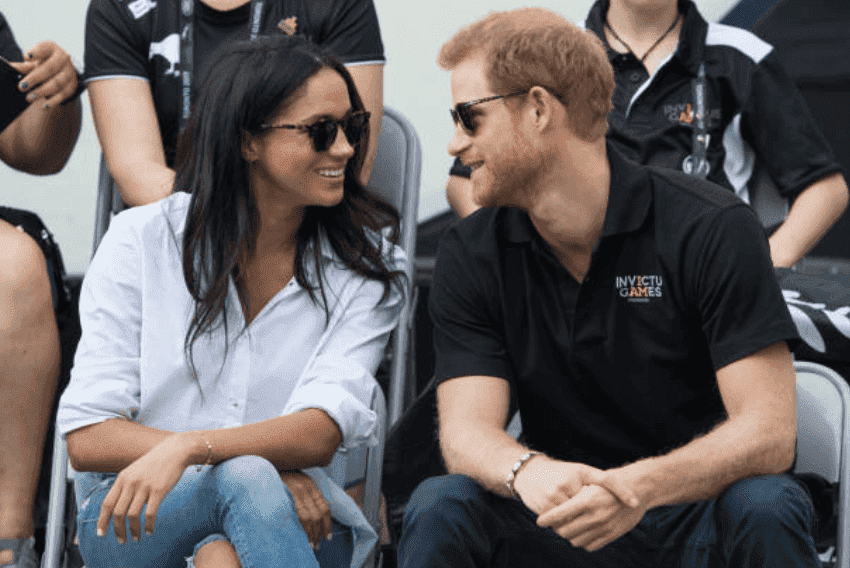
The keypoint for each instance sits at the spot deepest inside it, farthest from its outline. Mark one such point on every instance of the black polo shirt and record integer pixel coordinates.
(8, 46)
(756, 117)
(621, 366)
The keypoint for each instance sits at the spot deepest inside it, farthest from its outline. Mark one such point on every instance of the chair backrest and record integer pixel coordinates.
(395, 178)
(823, 443)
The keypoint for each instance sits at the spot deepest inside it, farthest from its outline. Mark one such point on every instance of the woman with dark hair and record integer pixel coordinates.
(231, 332)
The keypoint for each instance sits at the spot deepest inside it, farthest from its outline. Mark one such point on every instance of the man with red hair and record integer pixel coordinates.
(634, 313)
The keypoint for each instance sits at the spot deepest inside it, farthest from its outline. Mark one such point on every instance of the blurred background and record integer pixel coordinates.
(412, 34)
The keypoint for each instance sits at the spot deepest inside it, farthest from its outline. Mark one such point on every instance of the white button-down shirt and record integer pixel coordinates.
(135, 311)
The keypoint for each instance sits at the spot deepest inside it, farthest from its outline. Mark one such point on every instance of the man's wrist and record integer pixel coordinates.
(515, 470)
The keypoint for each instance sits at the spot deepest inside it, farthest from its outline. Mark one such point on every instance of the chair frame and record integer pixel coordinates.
(826, 374)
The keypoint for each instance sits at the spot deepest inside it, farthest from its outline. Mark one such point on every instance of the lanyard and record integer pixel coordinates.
(697, 164)
(187, 40)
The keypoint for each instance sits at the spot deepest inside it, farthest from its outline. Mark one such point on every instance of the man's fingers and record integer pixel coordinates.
(613, 484)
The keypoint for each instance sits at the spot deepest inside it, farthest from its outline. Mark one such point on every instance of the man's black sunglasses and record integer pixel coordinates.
(323, 132)
(462, 115)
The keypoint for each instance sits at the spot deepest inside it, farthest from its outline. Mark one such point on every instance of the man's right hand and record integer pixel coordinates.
(545, 483)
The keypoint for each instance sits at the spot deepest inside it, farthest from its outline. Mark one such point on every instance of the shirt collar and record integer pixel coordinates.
(629, 199)
(691, 38)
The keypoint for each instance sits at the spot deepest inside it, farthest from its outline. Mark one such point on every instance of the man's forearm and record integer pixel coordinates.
(707, 465)
(816, 209)
(484, 454)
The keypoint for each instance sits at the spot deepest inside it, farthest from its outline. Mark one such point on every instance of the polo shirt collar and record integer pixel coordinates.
(691, 38)
(629, 199)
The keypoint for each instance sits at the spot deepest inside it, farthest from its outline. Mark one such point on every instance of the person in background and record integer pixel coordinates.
(634, 312)
(32, 294)
(713, 101)
(236, 326)
(135, 73)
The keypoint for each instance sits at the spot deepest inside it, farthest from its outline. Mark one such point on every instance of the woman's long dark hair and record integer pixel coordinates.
(248, 84)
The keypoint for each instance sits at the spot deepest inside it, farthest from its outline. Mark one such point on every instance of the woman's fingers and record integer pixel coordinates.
(134, 513)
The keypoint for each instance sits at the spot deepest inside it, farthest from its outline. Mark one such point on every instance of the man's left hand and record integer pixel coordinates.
(592, 518)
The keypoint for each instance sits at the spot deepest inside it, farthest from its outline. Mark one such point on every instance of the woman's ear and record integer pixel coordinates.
(249, 147)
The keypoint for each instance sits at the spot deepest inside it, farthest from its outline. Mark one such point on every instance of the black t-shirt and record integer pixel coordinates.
(139, 38)
(9, 49)
(622, 366)
(756, 117)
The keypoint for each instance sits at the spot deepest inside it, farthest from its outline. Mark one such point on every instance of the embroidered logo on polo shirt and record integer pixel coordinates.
(639, 288)
(683, 113)
(289, 26)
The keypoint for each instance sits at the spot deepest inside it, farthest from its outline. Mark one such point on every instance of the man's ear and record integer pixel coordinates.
(250, 152)
(541, 102)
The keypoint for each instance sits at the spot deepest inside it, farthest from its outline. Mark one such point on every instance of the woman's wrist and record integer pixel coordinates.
(196, 448)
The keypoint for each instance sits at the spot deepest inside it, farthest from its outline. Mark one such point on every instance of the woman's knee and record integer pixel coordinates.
(253, 483)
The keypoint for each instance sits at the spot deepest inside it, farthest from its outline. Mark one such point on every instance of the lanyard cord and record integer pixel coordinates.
(654, 45)
(187, 40)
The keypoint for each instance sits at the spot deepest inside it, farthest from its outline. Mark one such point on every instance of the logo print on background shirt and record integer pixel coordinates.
(169, 48)
(639, 289)
(141, 7)
(289, 26)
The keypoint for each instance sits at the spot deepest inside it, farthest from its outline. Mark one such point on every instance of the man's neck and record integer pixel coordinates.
(641, 26)
(569, 208)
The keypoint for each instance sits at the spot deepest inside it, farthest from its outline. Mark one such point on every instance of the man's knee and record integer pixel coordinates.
(767, 503)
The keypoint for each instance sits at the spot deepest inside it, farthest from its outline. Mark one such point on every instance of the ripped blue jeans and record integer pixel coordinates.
(242, 501)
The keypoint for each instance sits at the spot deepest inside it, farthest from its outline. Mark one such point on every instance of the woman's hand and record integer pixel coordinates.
(49, 74)
(146, 481)
(311, 506)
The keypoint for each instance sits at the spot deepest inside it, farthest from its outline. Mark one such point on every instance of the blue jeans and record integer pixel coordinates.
(242, 501)
(760, 522)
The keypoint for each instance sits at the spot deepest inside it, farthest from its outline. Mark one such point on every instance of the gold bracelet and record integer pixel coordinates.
(208, 461)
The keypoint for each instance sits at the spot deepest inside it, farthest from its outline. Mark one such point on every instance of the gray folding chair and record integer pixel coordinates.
(395, 178)
(823, 443)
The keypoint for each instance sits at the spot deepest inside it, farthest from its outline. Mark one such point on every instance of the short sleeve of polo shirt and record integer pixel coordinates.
(9, 48)
(115, 42)
(350, 30)
(463, 307)
(738, 297)
(776, 122)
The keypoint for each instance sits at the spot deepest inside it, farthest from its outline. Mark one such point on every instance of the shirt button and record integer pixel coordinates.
(235, 405)
(635, 77)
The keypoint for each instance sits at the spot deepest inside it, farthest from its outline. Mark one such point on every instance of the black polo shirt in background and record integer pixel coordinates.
(623, 365)
(756, 116)
(9, 49)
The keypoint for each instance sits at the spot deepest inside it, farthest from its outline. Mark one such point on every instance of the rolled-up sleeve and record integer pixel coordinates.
(339, 379)
(105, 376)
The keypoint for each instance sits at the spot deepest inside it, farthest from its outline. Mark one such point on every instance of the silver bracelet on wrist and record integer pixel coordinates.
(509, 482)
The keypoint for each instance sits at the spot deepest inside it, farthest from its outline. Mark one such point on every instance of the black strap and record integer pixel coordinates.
(187, 41)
